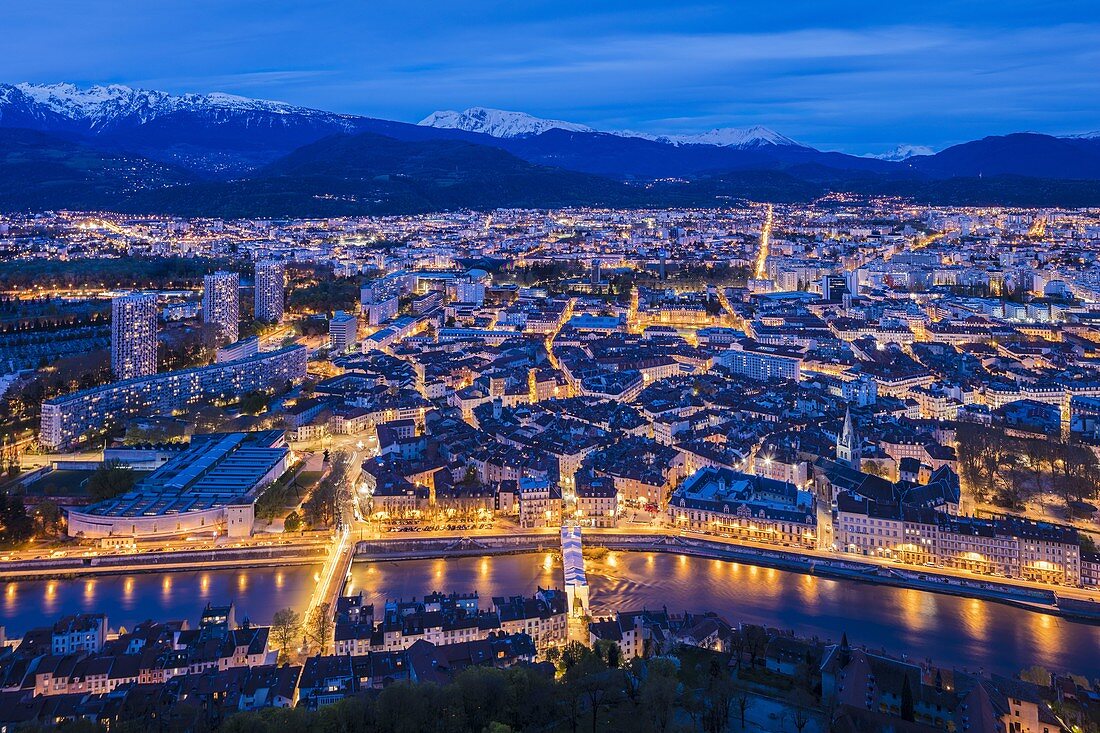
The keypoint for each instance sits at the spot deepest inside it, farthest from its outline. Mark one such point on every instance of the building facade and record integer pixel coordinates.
(270, 287)
(72, 418)
(743, 506)
(134, 335)
(1009, 547)
(343, 332)
(221, 303)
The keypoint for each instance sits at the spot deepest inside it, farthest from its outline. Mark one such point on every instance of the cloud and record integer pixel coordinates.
(848, 74)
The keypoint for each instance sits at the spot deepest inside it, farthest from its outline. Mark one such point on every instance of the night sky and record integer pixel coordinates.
(838, 74)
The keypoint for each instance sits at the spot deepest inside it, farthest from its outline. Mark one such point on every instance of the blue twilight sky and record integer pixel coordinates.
(840, 74)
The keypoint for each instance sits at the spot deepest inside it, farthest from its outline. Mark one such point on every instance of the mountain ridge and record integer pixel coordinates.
(62, 146)
(501, 123)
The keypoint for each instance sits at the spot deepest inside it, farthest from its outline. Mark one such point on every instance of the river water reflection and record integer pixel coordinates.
(130, 599)
(953, 631)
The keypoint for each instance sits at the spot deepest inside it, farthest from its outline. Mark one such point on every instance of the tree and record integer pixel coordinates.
(744, 701)
(528, 699)
(1036, 675)
(16, 526)
(658, 693)
(286, 626)
(609, 652)
(572, 654)
(756, 642)
(293, 522)
(47, 517)
(482, 692)
(111, 479)
(254, 403)
(600, 687)
(876, 468)
(319, 626)
(585, 679)
(907, 712)
(718, 696)
(800, 718)
(1088, 544)
(738, 642)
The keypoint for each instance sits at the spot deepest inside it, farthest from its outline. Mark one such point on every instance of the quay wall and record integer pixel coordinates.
(152, 562)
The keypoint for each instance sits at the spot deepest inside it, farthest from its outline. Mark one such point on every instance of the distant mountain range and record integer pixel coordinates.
(500, 123)
(114, 147)
(904, 152)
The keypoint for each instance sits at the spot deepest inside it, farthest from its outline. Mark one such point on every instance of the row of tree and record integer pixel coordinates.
(1007, 469)
(21, 406)
(124, 272)
(592, 690)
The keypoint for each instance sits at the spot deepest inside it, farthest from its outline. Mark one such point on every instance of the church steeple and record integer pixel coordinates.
(847, 443)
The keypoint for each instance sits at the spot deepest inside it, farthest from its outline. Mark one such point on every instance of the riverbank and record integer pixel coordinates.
(158, 562)
(1066, 603)
(954, 631)
(1030, 599)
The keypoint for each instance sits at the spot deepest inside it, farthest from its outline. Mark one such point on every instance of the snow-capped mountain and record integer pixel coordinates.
(504, 124)
(726, 137)
(1094, 135)
(497, 122)
(904, 152)
(226, 137)
(100, 108)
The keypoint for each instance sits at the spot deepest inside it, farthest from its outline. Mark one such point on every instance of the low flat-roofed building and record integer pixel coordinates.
(238, 350)
(763, 362)
(210, 487)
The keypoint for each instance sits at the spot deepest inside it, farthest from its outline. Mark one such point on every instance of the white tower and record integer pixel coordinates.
(847, 443)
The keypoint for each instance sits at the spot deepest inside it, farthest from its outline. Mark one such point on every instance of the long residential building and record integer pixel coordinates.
(1008, 546)
(763, 362)
(72, 418)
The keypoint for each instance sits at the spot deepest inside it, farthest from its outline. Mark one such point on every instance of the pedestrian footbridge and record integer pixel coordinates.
(576, 584)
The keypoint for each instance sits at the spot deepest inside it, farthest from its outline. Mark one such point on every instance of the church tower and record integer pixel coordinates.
(847, 443)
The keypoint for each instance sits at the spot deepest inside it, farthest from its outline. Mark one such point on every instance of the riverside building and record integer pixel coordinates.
(210, 487)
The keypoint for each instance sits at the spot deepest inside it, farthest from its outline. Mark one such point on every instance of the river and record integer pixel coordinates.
(953, 631)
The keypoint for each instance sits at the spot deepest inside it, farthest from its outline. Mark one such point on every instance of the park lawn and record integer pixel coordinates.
(65, 482)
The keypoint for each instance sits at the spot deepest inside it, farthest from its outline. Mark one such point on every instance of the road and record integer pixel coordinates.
(760, 271)
(337, 566)
(52, 552)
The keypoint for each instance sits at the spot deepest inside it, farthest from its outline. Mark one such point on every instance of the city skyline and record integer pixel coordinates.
(861, 78)
(821, 438)
(488, 367)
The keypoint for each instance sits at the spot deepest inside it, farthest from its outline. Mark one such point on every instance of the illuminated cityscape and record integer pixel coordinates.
(481, 421)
